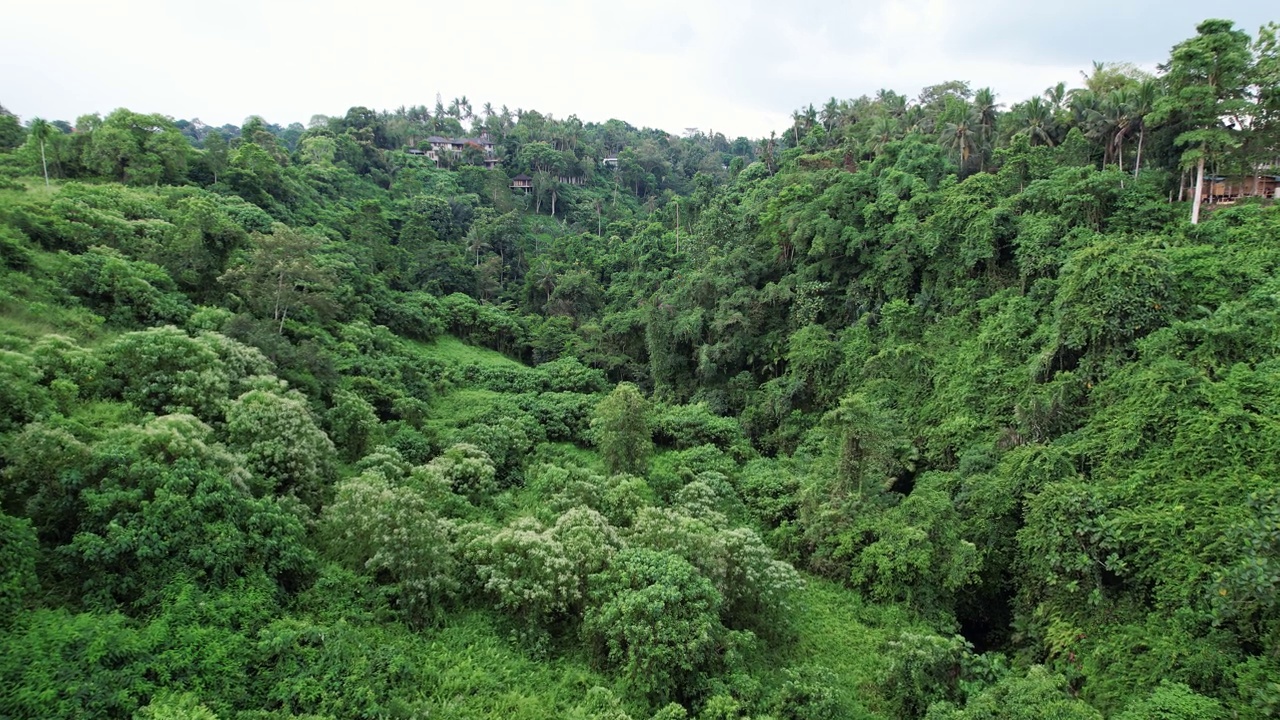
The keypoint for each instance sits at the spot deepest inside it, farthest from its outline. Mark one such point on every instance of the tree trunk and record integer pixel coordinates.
(45, 164)
(1195, 202)
(1138, 163)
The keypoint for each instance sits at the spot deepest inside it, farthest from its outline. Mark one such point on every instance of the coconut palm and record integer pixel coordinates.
(476, 243)
(963, 137)
(988, 111)
(831, 115)
(884, 130)
(1143, 99)
(1056, 96)
(1035, 118)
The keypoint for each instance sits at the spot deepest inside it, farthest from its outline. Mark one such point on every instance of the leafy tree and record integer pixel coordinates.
(164, 501)
(39, 132)
(382, 527)
(137, 149)
(468, 470)
(18, 574)
(280, 275)
(216, 154)
(589, 541)
(353, 422)
(621, 427)
(11, 132)
(526, 569)
(655, 618)
(282, 443)
(1208, 80)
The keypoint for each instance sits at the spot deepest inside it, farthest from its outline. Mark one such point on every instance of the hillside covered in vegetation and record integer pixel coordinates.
(920, 408)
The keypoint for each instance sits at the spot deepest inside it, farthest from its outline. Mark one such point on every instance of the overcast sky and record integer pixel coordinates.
(731, 66)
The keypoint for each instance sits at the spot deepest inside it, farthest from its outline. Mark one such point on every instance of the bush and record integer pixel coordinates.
(524, 567)
(129, 293)
(469, 472)
(17, 566)
(393, 532)
(686, 426)
(163, 501)
(569, 375)
(165, 370)
(654, 617)
(22, 399)
(283, 444)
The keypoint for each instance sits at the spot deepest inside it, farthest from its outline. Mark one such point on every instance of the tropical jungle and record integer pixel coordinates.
(924, 406)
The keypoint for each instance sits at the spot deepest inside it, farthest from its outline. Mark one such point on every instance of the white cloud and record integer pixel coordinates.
(734, 67)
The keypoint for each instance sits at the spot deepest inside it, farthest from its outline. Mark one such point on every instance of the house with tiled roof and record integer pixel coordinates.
(438, 144)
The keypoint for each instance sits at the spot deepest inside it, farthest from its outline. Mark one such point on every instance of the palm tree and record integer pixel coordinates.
(476, 243)
(962, 136)
(545, 278)
(893, 103)
(988, 111)
(831, 114)
(1119, 112)
(1056, 96)
(797, 118)
(1035, 118)
(884, 130)
(40, 131)
(916, 119)
(1143, 100)
(1096, 80)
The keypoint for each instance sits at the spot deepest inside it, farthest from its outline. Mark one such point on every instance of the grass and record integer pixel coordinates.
(463, 407)
(452, 350)
(834, 631)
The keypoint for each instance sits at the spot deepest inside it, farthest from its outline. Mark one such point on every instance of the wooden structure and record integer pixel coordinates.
(1229, 189)
(522, 182)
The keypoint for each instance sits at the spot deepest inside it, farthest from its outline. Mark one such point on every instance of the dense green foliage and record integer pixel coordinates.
(919, 409)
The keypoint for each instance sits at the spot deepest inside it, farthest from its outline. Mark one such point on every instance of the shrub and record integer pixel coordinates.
(654, 617)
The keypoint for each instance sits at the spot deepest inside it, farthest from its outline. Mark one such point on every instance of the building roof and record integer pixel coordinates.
(521, 176)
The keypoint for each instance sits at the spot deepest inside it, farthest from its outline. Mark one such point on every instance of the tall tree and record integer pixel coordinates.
(621, 425)
(1264, 130)
(281, 274)
(962, 136)
(1207, 77)
(40, 132)
(1143, 98)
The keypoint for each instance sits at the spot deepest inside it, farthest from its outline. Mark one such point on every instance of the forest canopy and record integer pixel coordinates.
(923, 406)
